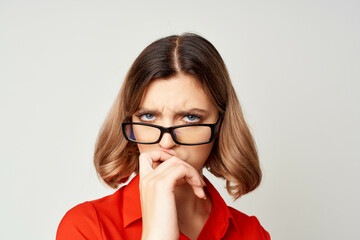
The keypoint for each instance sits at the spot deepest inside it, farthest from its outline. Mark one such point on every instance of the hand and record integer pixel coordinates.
(160, 173)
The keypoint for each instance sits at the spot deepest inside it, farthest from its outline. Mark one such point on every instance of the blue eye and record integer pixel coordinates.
(191, 118)
(147, 117)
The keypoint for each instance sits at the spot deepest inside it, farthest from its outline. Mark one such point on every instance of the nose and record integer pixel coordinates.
(167, 141)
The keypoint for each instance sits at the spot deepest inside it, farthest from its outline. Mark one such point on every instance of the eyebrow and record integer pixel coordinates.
(183, 112)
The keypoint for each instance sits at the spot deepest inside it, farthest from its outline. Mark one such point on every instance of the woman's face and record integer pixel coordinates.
(177, 101)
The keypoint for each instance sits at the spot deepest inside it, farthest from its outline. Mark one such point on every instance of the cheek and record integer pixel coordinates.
(197, 155)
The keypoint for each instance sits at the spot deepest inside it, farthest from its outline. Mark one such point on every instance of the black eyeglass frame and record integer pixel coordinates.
(170, 130)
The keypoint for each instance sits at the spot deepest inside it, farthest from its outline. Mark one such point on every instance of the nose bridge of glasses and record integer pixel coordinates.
(166, 129)
(169, 130)
(166, 141)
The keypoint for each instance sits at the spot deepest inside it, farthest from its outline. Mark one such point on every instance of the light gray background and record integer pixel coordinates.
(295, 66)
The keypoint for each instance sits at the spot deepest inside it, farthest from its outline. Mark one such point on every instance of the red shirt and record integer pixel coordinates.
(118, 216)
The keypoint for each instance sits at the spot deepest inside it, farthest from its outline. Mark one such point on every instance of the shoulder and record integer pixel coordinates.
(80, 222)
(85, 220)
(248, 225)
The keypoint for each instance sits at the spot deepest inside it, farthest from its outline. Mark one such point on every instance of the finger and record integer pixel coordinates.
(193, 179)
(199, 192)
(147, 160)
(177, 172)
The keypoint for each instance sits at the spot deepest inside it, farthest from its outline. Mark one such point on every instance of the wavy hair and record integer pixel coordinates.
(234, 156)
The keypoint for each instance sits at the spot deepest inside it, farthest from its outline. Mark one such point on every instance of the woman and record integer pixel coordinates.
(176, 113)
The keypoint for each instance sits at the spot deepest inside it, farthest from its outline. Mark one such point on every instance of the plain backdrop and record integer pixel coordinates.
(294, 64)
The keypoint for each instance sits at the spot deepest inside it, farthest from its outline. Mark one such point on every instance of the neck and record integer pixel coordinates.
(188, 205)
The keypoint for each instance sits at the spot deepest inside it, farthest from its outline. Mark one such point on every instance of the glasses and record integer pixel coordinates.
(190, 134)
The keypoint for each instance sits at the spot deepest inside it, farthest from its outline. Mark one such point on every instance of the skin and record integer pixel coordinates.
(171, 184)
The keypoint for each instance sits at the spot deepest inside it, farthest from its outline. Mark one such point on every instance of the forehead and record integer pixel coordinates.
(180, 91)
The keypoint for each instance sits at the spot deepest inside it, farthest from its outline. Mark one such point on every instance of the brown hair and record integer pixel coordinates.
(234, 155)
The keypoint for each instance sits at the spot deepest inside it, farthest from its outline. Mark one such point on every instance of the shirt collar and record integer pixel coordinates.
(219, 216)
(219, 219)
(131, 202)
